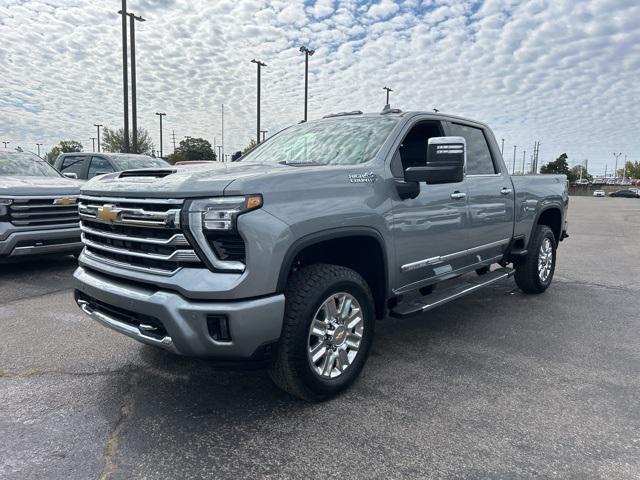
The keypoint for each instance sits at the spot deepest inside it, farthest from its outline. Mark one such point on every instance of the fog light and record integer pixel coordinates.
(218, 326)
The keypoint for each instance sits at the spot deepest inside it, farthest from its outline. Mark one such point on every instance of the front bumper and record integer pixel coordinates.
(37, 242)
(254, 324)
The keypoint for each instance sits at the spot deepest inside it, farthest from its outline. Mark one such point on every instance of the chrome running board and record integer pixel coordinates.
(457, 290)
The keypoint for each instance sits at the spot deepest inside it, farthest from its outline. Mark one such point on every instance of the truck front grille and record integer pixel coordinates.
(138, 234)
(60, 211)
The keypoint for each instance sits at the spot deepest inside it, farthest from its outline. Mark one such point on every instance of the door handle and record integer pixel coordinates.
(458, 195)
(506, 191)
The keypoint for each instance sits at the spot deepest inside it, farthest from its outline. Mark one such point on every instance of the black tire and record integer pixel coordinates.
(305, 292)
(527, 277)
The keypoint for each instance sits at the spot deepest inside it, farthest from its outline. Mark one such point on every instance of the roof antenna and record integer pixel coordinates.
(435, 109)
(387, 105)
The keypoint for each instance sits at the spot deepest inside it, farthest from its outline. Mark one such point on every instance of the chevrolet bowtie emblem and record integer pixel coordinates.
(107, 213)
(64, 201)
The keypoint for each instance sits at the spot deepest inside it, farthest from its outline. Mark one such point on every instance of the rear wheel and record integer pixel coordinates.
(327, 332)
(535, 272)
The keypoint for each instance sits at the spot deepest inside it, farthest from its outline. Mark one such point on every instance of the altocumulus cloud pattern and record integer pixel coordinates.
(565, 72)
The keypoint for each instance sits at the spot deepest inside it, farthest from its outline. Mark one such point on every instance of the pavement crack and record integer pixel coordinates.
(113, 440)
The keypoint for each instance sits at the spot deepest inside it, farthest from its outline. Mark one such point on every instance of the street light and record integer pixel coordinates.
(5, 143)
(259, 65)
(134, 104)
(160, 114)
(513, 169)
(615, 171)
(125, 86)
(388, 91)
(39, 145)
(98, 125)
(264, 133)
(502, 148)
(307, 53)
(93, 144)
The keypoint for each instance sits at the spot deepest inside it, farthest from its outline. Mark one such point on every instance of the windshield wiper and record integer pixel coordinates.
(301, 164)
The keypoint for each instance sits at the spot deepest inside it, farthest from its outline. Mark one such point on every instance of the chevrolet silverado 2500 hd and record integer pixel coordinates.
(38, 207)
(290, 254)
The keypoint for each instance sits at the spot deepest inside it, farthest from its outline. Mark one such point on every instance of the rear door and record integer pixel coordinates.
(490, 193)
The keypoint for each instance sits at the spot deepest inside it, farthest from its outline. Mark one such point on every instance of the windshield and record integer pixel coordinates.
(128, 162)
(329, 142)
(25, 164)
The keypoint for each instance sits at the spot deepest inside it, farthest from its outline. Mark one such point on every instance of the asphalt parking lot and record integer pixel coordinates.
(496, 385)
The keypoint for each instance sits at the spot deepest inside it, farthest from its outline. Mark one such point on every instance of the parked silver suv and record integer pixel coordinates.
(38, 207)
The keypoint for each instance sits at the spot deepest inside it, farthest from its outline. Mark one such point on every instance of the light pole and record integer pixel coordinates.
(5, 143)
(259, 65)
(125, 85)
(502, 148)
(93, 144)
(264, 133)
(134, 104)
(513, 168)
(220, 159)
(615, 171)
(39, 145)
(307, 53)
(388, 91)
(98, 125)
(160, 114)
(222, 128)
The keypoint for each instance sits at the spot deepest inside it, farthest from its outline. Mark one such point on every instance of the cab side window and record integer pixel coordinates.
(73, 164)
(413, 149)
(99, 165)
(479, 161)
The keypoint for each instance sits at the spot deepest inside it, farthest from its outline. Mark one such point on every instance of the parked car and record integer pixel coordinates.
(38, 207)
(625, 194)
(290, 254)
(85, 166)
(599, 193)
(582, 181)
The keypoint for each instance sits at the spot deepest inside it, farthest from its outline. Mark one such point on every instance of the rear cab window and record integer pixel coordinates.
(74, 164)
(99, 165)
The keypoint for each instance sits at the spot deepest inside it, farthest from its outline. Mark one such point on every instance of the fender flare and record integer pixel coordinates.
(330, 234)
(539, 214)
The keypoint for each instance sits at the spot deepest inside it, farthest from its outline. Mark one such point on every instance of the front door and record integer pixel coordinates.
(429, 230)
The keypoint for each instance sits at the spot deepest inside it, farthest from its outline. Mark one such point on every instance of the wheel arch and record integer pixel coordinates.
(359, 248)
(551, 216)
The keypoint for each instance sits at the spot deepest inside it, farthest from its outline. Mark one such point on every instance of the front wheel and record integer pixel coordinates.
(535, 272)
(327, 332)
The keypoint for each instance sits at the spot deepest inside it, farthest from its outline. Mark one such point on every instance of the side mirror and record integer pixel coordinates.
(446, 160)
(71, 175)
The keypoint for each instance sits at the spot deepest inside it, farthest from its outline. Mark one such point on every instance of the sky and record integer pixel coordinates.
(565, 73)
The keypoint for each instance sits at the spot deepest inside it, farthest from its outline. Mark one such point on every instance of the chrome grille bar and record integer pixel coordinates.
(176, 256)
(177, 240)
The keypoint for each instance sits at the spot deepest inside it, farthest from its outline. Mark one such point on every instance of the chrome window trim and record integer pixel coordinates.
(451, 256)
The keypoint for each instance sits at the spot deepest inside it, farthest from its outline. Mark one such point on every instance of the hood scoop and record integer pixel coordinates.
(147, 173)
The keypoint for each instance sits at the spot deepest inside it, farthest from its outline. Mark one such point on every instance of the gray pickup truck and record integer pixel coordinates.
(38, 208)
(289, 255)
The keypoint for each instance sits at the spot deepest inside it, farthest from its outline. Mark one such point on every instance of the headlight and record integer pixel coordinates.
(220, 213)
(4, 210)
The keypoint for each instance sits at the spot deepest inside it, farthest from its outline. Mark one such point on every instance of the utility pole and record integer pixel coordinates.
(513, 172)
(5, 143)
(307, 53)
(264, 133)
(220, 159)
(160, 114)
(173, 134)
(624, 169)
(134, 104)
(502, 148)
(93, 144)
(388, 91)
(98, 125)
(39, 145)
(125, 86)
(222, 129)
(259, 65)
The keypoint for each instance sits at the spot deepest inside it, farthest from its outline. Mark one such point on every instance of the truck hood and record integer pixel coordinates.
(184, 181)
(37, 186)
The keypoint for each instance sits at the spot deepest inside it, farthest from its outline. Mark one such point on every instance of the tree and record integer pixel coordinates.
(558, 166)
(113, 141)
(65, 146)
(236, 156)
(248, 148)
(574, 173)
(194, 149)
(630, 170)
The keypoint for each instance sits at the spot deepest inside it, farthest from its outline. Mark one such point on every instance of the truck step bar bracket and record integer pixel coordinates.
(445, 295)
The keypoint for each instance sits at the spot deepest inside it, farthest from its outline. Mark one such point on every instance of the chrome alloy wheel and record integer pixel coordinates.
(335, 335)
(545, 260)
